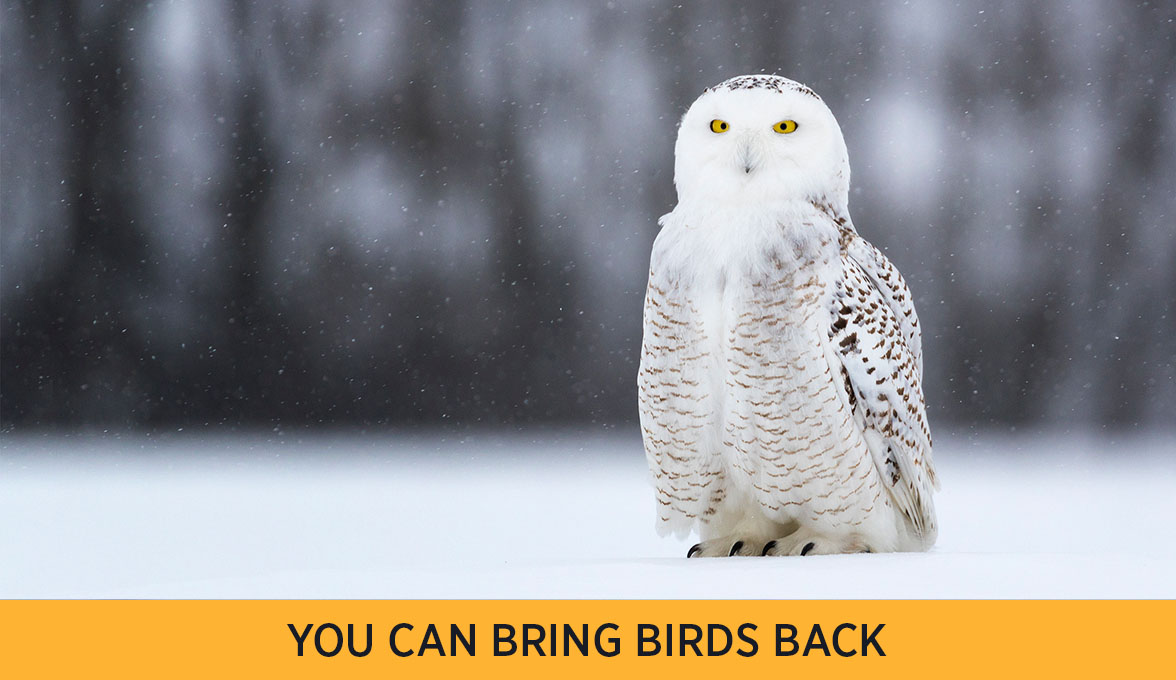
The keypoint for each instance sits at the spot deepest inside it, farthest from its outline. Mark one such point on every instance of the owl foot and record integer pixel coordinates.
(728, 546)
(804, 542)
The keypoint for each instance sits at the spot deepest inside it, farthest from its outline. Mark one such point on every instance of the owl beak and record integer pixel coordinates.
(748, 155)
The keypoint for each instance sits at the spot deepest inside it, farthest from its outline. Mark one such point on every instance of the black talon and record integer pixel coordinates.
(807, 547)
(735, 548)
(696, 548)
(768, 546)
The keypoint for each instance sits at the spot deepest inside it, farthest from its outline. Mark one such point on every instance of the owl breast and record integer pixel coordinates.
(739, 406)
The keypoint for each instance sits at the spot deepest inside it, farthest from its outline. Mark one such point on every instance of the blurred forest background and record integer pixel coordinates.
(365, 212)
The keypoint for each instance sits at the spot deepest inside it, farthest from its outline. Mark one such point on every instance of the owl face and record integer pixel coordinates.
(755, 140)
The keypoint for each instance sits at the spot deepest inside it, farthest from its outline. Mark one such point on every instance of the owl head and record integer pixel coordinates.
(758, 139)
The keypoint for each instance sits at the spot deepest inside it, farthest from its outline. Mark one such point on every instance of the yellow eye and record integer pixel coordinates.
(719, 126)
(785, 127)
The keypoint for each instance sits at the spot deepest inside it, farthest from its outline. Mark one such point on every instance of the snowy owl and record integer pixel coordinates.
(780, 386)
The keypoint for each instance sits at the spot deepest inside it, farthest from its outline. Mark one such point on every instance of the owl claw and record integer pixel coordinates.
(806, 542)
(743, 544)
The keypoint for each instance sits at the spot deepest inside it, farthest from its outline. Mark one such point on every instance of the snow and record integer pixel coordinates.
(547, 515)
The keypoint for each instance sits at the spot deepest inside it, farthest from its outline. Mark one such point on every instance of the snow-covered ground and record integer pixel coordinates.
(556, 514)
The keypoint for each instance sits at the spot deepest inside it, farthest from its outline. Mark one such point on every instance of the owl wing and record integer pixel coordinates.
(874, 337)
(675, 404)
(894, 291)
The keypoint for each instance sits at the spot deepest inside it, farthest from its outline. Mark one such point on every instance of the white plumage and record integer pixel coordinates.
(781, 371)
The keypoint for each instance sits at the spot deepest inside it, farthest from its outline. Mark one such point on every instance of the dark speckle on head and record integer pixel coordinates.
(764, 82)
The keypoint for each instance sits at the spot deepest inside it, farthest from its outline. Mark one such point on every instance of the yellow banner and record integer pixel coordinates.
(589, 639)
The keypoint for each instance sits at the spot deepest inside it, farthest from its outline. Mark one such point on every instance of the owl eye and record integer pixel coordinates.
(785, 127)
(719, 126)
